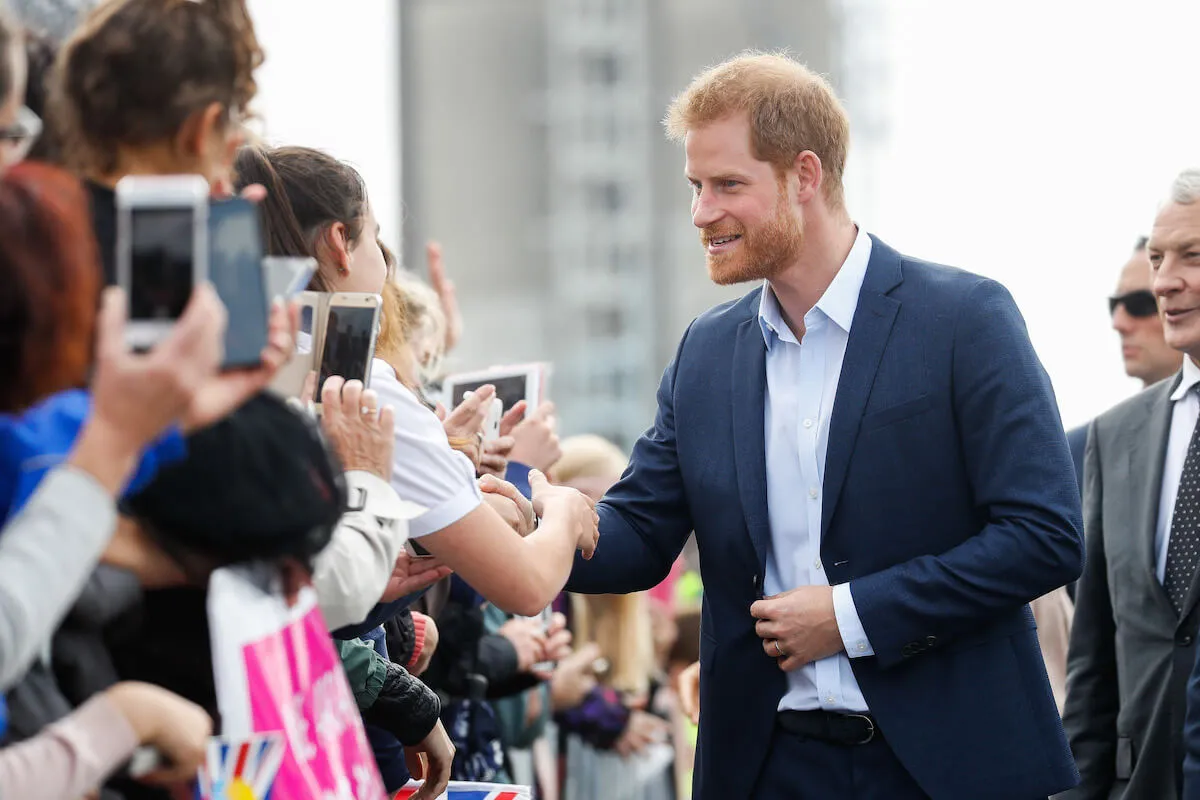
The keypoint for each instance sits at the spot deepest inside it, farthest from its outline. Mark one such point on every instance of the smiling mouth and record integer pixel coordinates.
(1173, 315)
(718, 243)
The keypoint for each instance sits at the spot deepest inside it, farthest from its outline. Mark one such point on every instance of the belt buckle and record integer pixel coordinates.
(870, 727)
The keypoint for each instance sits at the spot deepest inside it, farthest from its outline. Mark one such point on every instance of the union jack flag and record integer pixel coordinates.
(463, 790)
(241, 769)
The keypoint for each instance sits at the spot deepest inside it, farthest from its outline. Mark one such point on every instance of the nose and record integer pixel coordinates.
(1122, 322)
(705, 210)
(1167, 280)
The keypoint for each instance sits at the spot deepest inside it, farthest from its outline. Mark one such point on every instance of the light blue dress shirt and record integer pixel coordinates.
(802, 382)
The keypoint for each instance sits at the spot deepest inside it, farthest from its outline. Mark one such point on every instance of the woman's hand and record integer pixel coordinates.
(362, 434)
(464, 425)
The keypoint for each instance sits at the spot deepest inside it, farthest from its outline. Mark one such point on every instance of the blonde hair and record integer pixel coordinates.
(413, 332)
(791, 109)
(588, 456)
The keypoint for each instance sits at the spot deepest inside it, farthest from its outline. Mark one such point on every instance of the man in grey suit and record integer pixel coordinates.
(1132, 645)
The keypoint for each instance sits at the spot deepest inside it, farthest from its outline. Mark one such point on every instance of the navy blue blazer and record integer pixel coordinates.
(950, 502)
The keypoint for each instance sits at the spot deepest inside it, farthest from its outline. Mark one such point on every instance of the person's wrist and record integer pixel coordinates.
(106, 452)
(131, 700)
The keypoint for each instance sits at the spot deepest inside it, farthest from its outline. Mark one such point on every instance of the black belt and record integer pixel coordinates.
(829, 726)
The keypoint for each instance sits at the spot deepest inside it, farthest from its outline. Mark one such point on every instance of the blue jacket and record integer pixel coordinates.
(950, 502)
(36, 441)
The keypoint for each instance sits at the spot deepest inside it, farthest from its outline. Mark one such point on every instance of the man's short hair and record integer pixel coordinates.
(1185, 189)
(791, 109)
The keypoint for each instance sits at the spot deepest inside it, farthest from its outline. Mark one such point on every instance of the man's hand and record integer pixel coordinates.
(579, 512)
(799, 626)
(412, 575)
(430, 761)
(524, 520)
(225, 392)
(362, 434)
(535, 438)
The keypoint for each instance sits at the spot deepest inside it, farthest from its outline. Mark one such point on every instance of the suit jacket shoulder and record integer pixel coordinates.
(1134, 410)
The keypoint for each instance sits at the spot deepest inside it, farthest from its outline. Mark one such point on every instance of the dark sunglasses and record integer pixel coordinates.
(1139, 304)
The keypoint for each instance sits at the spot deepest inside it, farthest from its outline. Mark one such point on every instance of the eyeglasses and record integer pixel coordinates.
(17, 139)
(1139, 304)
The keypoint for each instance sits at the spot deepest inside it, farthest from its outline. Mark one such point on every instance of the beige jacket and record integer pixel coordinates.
(1053, 613)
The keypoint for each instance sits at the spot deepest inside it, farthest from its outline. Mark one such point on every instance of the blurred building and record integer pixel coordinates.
(533, 151)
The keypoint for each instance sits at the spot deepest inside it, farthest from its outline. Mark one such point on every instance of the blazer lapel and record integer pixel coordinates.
(1147, 450)
(869, 332)
(749, 432)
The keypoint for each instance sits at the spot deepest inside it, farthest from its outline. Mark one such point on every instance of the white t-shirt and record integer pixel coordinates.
(427, 470)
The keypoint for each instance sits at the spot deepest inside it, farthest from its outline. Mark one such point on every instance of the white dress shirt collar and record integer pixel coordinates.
(1191, 376)
(837, 304)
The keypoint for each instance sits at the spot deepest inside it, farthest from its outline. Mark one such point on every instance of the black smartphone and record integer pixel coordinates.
(235, 269)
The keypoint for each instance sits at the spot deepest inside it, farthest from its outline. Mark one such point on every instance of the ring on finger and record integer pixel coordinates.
(778, 650)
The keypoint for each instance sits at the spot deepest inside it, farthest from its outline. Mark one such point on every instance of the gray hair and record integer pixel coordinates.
(1185, 189)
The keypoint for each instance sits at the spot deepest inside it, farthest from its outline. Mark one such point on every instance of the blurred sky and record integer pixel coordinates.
(1029, 141)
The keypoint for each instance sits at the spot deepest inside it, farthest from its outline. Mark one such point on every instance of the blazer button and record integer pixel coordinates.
(1185, 640)
(930, 641)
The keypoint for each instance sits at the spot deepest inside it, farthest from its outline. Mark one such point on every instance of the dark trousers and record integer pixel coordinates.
(807, 769)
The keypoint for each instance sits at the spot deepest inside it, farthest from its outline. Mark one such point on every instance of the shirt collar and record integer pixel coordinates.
(1191, 376)
(837, 304)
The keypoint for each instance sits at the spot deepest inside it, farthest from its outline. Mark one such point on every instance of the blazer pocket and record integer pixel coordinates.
(909, 408)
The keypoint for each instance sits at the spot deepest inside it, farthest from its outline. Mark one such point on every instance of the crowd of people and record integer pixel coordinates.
(915, 583)
(129, 478)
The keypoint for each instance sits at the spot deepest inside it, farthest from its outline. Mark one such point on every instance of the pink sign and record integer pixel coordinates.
(297, 686)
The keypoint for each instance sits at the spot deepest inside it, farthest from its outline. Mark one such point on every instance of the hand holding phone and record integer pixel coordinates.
(162, 250)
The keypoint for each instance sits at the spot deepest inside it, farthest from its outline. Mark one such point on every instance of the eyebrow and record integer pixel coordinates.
(1186, 244)
(731, 176)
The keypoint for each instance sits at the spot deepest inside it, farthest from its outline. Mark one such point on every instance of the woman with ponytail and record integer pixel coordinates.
(317, 206)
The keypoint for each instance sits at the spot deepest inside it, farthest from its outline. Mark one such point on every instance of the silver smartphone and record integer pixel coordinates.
(162, 250)
(348, 343)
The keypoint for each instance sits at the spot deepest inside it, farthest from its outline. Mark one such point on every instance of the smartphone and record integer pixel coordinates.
(351, 324)
(287, 276)
(491, 423)
(162, 250)
(235, 269)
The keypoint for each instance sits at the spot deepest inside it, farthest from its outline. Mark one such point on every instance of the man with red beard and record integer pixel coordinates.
(871, 457)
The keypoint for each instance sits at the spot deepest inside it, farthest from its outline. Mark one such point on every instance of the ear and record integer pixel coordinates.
(807, 168)
(197, 130)
(337, 244)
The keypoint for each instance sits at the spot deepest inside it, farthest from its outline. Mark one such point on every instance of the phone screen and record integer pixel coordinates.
(349, 333)
(160, 280)
(510, 389)
(235, 268)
